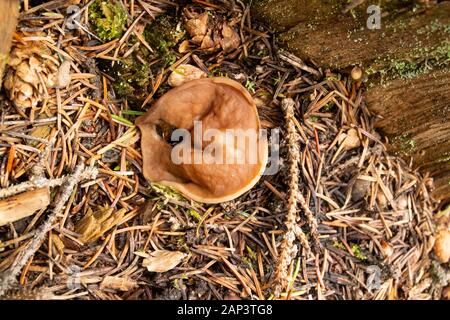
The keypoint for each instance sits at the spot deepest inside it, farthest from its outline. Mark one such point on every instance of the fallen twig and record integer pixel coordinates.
(9, 277)
(288, 247)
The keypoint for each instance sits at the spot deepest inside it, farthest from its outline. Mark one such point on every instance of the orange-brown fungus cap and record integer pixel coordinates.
(216, 103)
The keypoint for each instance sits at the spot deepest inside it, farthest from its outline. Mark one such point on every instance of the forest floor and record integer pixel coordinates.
(365, 220)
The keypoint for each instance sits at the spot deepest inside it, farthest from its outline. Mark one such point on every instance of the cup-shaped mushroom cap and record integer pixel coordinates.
(221, 151)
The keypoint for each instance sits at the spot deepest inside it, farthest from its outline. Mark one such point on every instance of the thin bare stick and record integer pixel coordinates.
(31, 185)
(37, 176)
(8, 279)
(289, 249)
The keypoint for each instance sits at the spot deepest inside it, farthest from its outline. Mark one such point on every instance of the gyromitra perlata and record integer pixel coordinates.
(219, 153)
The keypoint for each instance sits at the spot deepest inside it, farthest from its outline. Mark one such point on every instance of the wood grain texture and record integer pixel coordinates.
(9, 11)
(281, 15)
(346, 41)
(23, 205)
(415, 115)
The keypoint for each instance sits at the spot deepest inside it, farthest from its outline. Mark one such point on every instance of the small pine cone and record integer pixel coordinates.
(31, 66)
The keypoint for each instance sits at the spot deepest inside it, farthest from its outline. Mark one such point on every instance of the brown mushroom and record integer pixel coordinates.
(219, 105)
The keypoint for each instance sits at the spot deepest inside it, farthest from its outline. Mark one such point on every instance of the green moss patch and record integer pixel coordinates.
(163, 36)
(108, 19)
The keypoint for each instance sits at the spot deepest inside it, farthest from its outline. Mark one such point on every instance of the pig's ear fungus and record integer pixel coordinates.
(220, 103)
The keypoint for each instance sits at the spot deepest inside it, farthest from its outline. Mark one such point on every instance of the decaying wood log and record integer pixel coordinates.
(415, 115)
(406, 62)
(9, 11)
(23, 205)
(409, 38)
(281, 15)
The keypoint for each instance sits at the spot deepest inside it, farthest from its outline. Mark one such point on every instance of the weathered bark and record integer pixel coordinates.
(402, 44)
(416, 118)
(407, 62)
(9, 11)
(281, 15)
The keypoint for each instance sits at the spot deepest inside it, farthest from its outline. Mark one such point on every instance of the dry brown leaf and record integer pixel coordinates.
(198, 26)
(207, 42)
(184, 46)
(197, 40)
(162, 260)
(63, 75)
(350, 140)
(231, 39)
(94, 224)
(40, 132)
(118, 283)
(57, 242)
(185, 73)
